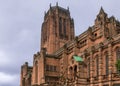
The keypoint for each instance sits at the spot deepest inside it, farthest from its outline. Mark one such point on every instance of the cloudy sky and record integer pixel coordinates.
(20, 24)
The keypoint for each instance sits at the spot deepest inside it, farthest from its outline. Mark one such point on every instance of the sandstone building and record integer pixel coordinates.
(68, 60)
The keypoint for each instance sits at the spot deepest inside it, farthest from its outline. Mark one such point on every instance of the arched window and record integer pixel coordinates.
(107, 63)
(75, 71)
(36, 72)
(118, 53)
(70, 69)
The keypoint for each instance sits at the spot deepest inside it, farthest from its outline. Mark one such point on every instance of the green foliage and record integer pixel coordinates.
(118, 65)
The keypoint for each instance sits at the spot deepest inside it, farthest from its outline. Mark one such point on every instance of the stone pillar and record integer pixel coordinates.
(85, 69)
(65, 62)
(100, 66)
(91, 69)
(41, 66)
(110, 63)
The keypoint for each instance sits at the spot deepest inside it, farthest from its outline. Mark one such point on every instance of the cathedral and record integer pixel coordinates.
(90, 59)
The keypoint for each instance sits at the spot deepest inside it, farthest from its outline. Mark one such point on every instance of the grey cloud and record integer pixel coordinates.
(7, 79)
(20, 23)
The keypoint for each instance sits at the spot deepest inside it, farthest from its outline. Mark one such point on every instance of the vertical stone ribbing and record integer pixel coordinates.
(91, 68)
(100, 66)
(110, 63)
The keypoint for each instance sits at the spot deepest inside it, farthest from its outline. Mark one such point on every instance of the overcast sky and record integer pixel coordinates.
(20, 26)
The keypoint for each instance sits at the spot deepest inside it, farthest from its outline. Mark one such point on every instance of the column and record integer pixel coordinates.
(65, 62)
(110, 63)
(100, 66)
(91, 69)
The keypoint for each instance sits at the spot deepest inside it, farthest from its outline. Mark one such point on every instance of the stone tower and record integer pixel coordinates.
(57, 28)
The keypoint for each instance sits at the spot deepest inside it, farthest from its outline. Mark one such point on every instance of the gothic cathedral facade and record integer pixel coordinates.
(55, 65)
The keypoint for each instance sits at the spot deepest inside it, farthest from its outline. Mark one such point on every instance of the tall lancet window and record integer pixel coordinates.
(60, 27)
(36, 72)
(107, 63)
(97, 65)
(64, 28)
(118, 53)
